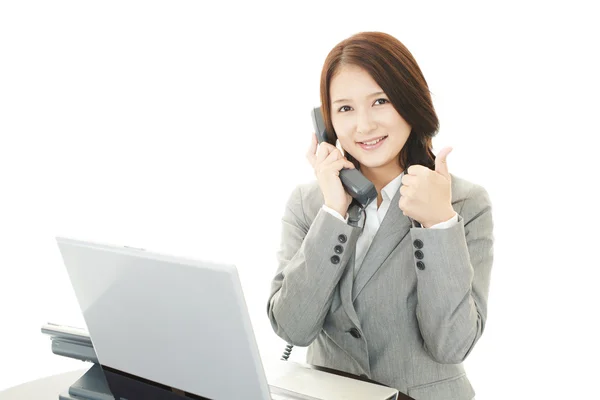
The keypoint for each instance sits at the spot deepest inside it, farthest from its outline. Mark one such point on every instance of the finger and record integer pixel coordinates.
(417, 170)
(333, 156)
(405, 191)
(324, 150)
(441, 166)
(312, 149)
(409, 180)
(402, 203)
(340, 164)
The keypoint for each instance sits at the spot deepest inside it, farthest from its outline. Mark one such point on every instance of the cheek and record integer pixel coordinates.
(395, 123)
(342, 132)
(400, 132)
(402, 125)
(345, 142)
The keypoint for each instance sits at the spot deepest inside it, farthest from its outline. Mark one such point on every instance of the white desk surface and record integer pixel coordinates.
(43, 389)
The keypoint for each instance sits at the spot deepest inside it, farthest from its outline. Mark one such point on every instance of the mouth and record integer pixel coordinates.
(372, 143)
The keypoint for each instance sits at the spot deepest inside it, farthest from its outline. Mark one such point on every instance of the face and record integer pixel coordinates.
(367, 124)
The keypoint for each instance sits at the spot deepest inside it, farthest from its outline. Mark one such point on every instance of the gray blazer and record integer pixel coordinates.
(416, 307)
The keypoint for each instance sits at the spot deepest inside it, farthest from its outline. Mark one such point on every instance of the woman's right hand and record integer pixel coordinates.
(328, 161)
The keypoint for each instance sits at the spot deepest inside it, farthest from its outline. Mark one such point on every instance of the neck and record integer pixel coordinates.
(381, 176)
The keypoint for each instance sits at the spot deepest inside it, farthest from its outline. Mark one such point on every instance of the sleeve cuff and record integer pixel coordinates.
(443, 225)
(335, 213)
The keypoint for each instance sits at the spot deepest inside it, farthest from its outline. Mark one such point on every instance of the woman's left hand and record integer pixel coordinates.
(426, 195)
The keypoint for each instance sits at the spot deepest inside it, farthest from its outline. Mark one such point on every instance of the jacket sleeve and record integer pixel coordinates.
(453, 269)
(309, 268)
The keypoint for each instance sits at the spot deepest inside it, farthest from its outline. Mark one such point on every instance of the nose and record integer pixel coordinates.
(365, 122)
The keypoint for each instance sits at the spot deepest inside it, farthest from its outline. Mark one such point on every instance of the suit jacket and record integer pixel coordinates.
(416, 307)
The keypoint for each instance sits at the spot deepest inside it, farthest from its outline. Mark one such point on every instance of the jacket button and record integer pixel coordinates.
(335, 260)
(421, 265)
(419, 254)
(338, 249)
(355, 333)
(342, 238)
(418, 244)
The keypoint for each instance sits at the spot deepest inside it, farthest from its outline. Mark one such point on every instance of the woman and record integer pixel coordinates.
(402, 299)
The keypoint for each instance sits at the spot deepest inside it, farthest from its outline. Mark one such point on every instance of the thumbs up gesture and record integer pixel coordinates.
(426, 195)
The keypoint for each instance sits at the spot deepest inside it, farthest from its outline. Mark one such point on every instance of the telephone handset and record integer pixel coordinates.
(359, 187)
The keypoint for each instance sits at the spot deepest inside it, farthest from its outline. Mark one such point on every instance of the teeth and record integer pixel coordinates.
(373, 142)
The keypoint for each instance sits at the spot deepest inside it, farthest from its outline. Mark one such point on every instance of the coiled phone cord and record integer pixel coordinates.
(287, 352)
(355, 213)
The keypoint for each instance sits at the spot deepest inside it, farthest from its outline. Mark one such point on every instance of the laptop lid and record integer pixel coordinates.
(179, 322)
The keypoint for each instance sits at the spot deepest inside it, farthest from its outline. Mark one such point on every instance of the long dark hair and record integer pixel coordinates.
(395, 70)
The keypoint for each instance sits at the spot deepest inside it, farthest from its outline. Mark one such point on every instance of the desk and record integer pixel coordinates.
(43, 389)
(49, 388)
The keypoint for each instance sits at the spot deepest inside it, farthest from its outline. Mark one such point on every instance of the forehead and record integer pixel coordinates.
(351, 82)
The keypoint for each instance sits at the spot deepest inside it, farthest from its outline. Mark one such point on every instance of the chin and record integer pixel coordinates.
(374, 163)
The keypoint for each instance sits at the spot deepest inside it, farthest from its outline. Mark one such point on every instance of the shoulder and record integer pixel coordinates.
(306, 200)
(469, 199)
(463, 188)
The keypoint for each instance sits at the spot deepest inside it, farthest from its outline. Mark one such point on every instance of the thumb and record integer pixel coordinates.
(441, 166)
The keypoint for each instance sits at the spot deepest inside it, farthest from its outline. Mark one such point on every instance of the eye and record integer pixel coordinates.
(381, 101)
(344, 108)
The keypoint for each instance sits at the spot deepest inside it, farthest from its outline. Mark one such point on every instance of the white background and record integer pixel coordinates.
(181, 127)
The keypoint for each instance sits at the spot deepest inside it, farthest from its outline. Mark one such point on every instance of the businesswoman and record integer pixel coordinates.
(400, 298)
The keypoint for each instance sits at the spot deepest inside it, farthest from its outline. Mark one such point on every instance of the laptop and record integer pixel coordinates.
(183, 324)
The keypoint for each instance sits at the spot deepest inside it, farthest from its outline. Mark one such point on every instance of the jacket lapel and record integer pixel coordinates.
(393, 229)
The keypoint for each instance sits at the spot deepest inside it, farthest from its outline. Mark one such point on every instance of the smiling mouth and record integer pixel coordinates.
(373, 142)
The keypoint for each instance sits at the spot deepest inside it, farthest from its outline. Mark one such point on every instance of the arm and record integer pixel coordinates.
(303, 286)
(453, 281)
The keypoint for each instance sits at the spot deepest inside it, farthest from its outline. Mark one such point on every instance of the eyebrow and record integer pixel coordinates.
(347, 100)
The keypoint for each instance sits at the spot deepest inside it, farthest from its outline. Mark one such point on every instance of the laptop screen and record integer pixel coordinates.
(178, 322)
